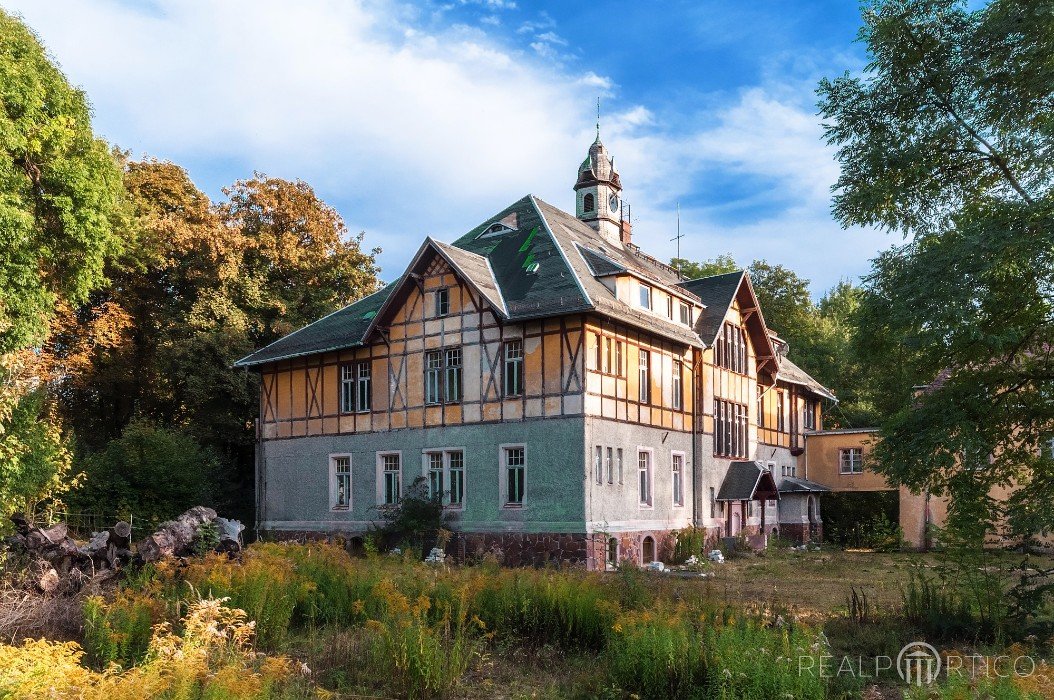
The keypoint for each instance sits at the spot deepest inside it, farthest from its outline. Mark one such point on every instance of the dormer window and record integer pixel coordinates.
(495, 229)
(686, 314)
(645, 296)
(589, 203)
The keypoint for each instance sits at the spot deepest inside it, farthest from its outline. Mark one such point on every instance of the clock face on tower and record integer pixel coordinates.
(613, 203)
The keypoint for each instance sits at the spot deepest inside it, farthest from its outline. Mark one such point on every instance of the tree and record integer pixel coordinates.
(150, 472)
(61, 209)
(199, 286)
(718, 266)
(947, 138)
(61, 203)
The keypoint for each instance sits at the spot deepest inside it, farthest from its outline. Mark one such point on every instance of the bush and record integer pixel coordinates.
(689, 542)
(212, 658)
(152, 472)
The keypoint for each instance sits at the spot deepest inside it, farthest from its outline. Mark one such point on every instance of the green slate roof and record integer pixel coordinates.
(717, 293)
(340, 329)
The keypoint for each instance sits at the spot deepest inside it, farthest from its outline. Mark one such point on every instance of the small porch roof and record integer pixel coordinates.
(748, 481)
(796, 485)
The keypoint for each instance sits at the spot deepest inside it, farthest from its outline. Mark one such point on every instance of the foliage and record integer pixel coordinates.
(865, 519)
(34, 456)
(946, 139)
(200, 285)
(212, 658)
(422, 626)
(152, 472)
(689, 542)
(415, 520)
(207, 539)
(62, 199)
(821, 335)
(120, 631)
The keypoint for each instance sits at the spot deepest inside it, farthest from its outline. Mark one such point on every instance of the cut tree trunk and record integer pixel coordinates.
(175, 537)
(121, 535)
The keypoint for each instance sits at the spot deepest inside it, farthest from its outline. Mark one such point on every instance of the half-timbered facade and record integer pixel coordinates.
(567, 396)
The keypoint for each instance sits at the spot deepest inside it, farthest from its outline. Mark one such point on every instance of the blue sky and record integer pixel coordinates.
(423, 118)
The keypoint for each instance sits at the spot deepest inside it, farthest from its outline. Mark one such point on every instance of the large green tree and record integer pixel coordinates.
(947, 138)
(199, 285)
(61, 212)
(821, 336)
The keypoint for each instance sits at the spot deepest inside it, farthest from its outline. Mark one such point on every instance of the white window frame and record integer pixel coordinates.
(677, 386)
(348, 388)
(644, 290)
(334, 482)
(363, 386)
(438, 308)
(685, 313)
(512, 368)
(381, 480)
(445, 454)
(674, 454)
(650, 472)
(855, 467)
(609, 464)
(620, 457)
(598, 463)
(503, 452)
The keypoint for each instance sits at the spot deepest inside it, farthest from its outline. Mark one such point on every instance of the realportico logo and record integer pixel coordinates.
(918, 663)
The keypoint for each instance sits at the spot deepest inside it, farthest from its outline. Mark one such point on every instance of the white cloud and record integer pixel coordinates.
(411, 130)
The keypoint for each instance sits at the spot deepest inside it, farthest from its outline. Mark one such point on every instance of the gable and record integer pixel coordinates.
(468, 284)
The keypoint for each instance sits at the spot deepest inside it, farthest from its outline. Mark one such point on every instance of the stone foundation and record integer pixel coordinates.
(800, 533)
(521, 548)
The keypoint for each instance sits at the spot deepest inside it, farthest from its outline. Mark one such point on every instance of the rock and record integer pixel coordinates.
(717, 557)
(230, 535)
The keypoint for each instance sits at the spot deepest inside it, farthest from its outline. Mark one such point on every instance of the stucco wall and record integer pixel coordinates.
(822, 461)
(616, 507)
(296, 492)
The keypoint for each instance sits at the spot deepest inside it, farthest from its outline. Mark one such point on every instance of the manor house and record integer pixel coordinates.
(566, 395)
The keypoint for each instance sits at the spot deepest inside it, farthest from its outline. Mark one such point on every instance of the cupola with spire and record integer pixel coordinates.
(598, 192)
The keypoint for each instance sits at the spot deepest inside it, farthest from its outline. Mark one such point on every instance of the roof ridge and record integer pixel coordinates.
(560, 248)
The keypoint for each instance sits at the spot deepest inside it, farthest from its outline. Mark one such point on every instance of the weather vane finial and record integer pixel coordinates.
(598, 116)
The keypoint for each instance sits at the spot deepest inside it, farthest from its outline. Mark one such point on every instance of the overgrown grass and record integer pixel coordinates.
(421, 627)
(212, 658)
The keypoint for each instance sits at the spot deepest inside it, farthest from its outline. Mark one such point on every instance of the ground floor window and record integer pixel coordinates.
(678, 479)
(612, 553)
(644, 477)
(391, 469)
(446, 476)
(515, 459)
(340, 481)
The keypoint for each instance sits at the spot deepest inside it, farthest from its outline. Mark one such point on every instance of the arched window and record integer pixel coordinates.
(588, 203)
(647, 550)
(612, 554)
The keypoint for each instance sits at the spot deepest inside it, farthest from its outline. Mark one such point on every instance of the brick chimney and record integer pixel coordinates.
(626, 228)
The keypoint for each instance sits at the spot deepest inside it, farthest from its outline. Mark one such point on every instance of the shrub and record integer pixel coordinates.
(689, 542)
(120, 632)
(213, 658)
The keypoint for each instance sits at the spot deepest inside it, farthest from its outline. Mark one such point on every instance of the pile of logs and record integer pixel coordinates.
(61, 560)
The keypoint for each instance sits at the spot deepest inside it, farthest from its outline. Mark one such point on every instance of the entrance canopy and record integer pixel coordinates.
(748, 481)
(796, 485)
